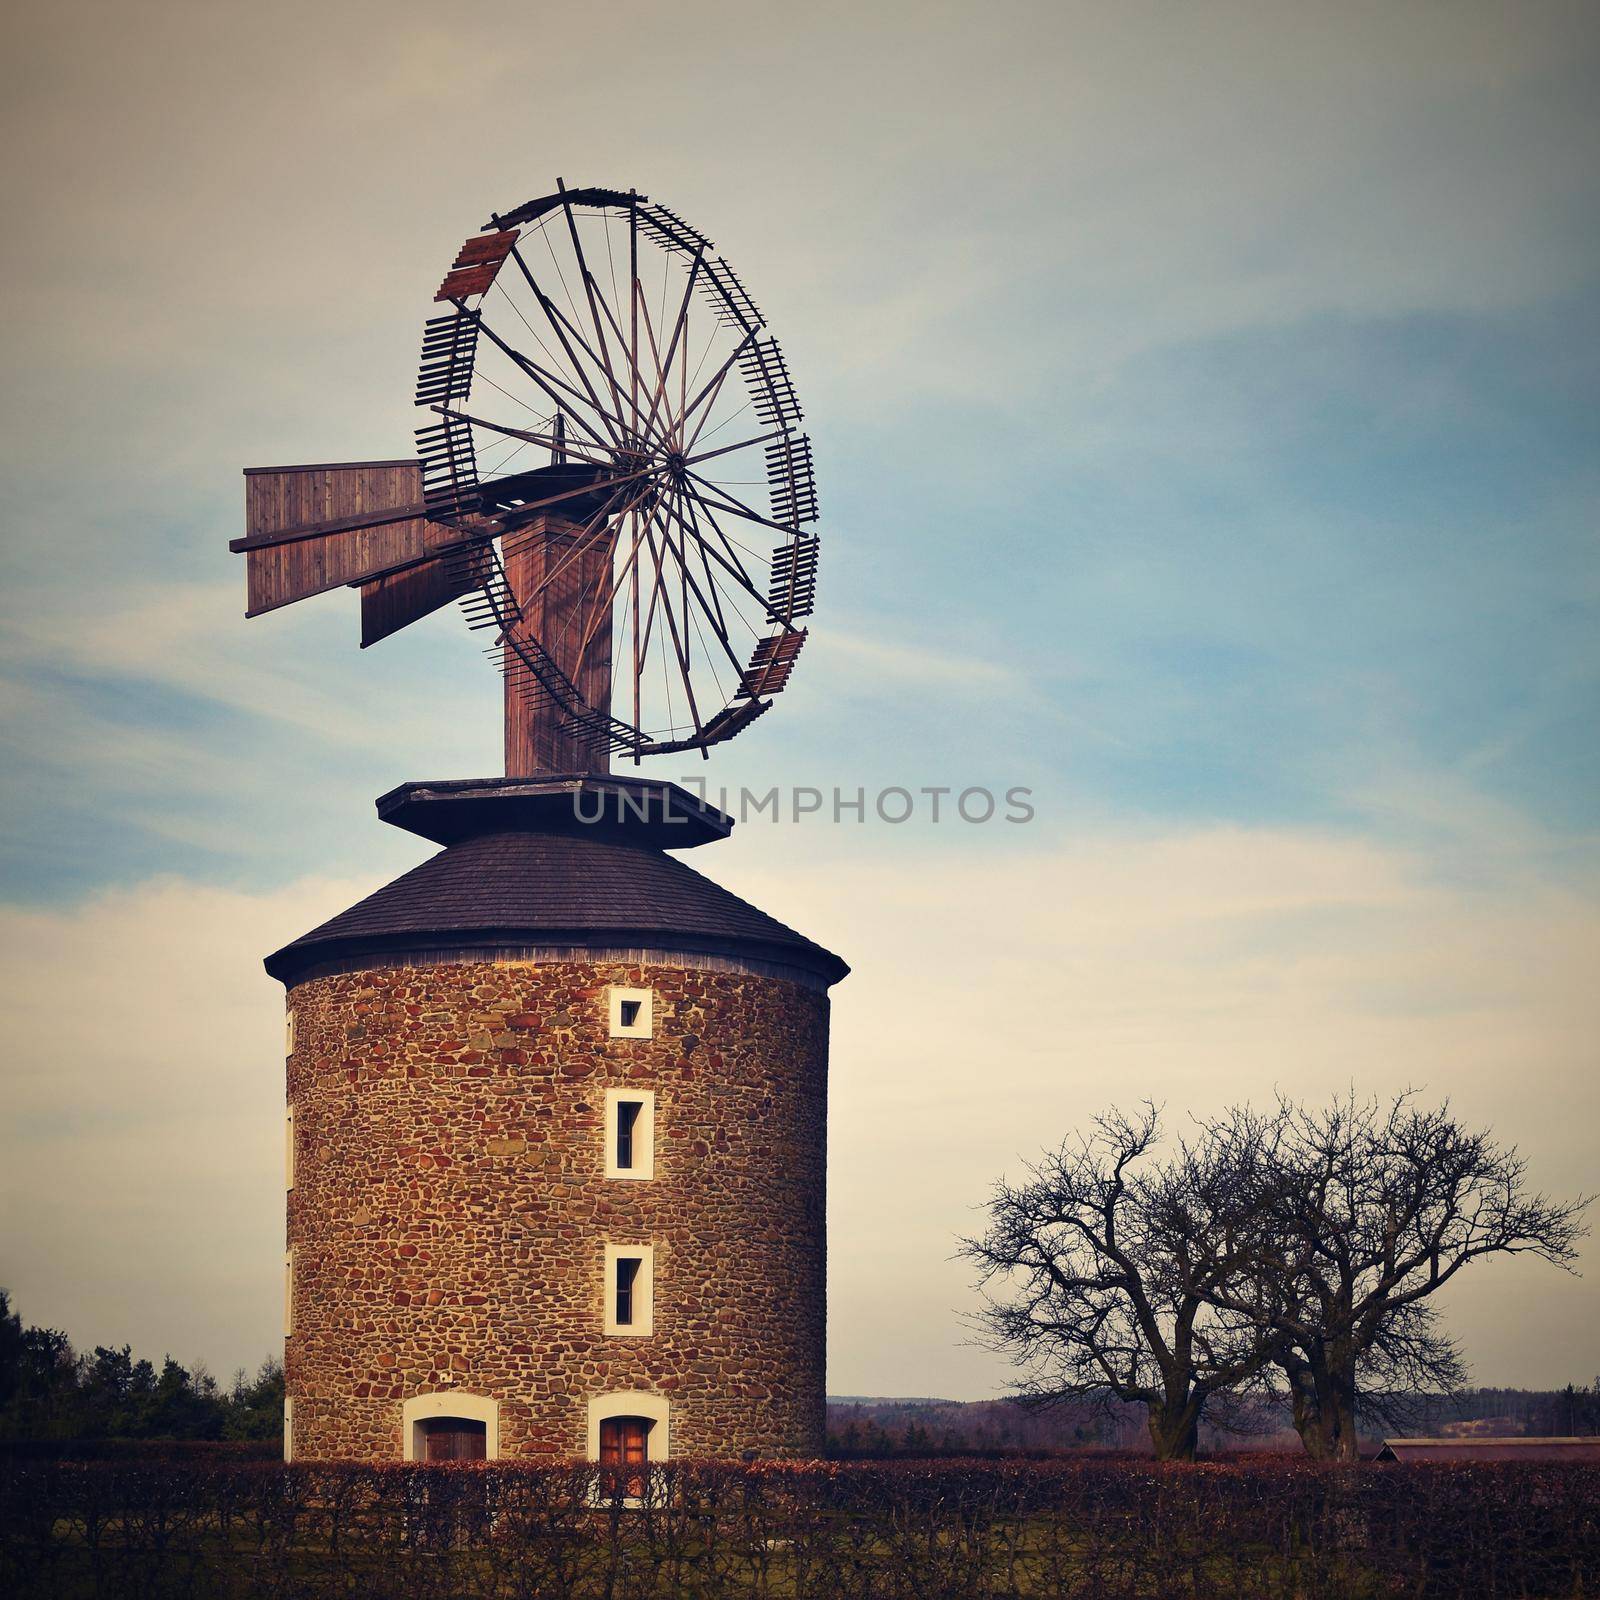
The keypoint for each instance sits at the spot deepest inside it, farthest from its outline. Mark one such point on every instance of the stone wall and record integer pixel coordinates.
(449, 1214)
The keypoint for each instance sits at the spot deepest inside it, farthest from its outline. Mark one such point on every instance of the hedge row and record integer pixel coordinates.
(835, 1531)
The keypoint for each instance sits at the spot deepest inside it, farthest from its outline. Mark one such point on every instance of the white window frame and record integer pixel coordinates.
(632, 1403)
(644, 1291)
(288, 1032)
(643, 1024)
(422, 1408)
(644, 1133)
(288, 1147)
(288, 1292)
(288, 1427)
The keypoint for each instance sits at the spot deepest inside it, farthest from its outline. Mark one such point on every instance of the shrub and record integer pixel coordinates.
(837, 1531)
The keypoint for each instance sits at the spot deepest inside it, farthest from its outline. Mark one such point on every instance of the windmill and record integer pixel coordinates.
(555, 1101)
(610, 478)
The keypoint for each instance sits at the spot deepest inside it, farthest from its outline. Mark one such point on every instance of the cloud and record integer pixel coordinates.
(1202, 435)
(144, 1133)
(915, 665)
(189, 637)
(999, 999)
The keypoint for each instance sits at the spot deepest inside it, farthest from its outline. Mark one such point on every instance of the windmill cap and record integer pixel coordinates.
(592, 805)
(523, 877)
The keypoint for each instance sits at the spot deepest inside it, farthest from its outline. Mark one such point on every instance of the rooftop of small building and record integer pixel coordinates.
(1489, 1448)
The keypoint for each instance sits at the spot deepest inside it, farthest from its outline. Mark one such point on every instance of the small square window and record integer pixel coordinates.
(630, 1011)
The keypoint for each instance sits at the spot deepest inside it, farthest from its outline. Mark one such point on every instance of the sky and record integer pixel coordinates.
(1205, 403)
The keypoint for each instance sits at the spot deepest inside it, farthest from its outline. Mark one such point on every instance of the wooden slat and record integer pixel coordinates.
(398, 599)
(315, 530)
(468, 281)
(295, 497)
(328, 466)
(576, 197)
(493, 247)
(771, 662)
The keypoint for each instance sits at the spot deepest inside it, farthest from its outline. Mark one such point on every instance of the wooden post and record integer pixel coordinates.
(573, 604)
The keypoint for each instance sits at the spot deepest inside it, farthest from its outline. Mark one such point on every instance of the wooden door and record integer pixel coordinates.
(454, 1439)
(624, 1447)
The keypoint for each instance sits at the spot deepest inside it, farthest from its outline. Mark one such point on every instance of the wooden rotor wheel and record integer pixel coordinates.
(620, 440)
(611, 478)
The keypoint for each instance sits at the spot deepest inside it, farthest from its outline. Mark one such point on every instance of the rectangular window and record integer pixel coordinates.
(288, 1428)
(630, 1289)
(288, 1147)
(630, 1133)
(288, 1293)
(288, 1033)
(631, 1013)
(627, 1272)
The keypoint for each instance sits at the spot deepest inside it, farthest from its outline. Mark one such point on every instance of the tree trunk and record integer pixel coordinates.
(1324, 1400)
(1175, 1428)
(1339, 1409)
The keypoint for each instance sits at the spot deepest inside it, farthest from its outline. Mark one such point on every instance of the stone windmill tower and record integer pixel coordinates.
(556, 1102)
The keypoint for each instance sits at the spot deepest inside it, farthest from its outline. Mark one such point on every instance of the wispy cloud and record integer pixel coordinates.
(897, 666)
(144, 1128)
(995, 1004)
(1204, 440)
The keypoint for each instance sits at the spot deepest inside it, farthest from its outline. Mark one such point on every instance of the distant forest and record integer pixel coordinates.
(48, 1391)
(870, 1428)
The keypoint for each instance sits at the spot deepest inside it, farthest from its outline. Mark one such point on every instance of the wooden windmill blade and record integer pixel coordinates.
(395, 600)
(311, 528)
(325, 526)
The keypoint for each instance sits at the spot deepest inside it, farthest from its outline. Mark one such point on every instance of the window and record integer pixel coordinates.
(454, 1439)
(288, 1427)
(450, 1425)
(631, 1013)
(620, 1422)
(288, 1293)
(627, 1271)
(630, 1133)
(627, 1114)
(624, 1452)
(288, 1148)
(288, 1033)
(630, 1289)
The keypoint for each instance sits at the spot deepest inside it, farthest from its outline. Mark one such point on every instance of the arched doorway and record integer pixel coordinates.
(450, 1426)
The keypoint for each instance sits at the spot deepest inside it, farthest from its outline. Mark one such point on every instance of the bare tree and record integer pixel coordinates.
(1360, 1213)
(1103, 1274)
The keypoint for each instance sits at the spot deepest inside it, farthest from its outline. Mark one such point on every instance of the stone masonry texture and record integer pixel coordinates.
(449, 1212)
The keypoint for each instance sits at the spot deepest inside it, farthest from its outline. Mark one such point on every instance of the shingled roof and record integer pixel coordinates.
(527, 887)
(1480, 1448)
